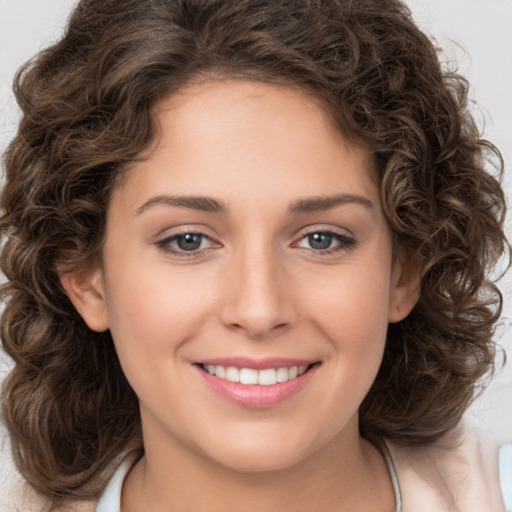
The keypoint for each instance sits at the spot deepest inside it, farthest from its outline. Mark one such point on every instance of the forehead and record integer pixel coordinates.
(224, 137)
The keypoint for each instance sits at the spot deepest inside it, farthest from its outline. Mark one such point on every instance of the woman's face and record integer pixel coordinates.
(250, 244)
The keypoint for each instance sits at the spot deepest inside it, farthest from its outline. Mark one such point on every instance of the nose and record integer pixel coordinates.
(257, 296)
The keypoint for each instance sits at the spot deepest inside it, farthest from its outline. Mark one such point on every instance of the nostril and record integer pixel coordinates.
(258, 330)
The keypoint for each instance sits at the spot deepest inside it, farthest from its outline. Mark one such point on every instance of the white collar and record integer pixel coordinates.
(110, 500)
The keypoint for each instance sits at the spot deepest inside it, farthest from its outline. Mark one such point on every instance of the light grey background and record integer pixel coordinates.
(475, 34)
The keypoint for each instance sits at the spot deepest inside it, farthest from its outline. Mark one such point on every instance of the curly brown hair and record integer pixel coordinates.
(87, 107)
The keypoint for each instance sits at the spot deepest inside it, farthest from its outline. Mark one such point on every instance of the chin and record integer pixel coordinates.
(261, 455)
(259, 462)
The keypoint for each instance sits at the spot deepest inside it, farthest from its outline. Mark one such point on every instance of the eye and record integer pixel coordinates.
(320, 240)
(182, 243)
(325, 242)
(189, 241)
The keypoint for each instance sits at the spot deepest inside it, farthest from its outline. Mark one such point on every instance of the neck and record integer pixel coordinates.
(348, 474)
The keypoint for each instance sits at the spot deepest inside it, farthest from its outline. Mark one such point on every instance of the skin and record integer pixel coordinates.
(257, 288)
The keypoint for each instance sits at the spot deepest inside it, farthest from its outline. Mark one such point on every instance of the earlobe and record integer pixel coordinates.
(85, 290)
(405, 287)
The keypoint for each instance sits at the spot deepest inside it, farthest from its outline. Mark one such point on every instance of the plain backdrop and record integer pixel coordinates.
(474, 34)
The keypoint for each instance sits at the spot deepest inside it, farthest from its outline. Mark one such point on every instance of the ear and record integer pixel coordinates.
(405, 286)
(85, 289)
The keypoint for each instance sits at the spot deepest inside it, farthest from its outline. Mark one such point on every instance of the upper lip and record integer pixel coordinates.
(256, 364)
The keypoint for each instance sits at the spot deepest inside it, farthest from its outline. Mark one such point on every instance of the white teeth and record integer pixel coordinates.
(249, 376)
(282, 375)
(232, 374)
(267, 377)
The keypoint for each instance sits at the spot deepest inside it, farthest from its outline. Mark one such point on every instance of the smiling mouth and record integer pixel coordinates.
(257, 383)
(250, 376)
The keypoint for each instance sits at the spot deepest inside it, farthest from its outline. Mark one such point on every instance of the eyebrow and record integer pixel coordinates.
(201, 203)
(209, 204)
(314, 204)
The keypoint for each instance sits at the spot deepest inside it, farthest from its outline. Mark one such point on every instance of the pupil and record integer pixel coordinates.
(189, 242)
(320, 240)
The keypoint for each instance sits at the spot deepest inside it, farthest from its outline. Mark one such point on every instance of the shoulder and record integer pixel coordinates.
(24, 499)
(458, 473)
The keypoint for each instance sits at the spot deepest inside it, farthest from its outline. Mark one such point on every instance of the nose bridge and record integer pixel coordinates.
(256, 299)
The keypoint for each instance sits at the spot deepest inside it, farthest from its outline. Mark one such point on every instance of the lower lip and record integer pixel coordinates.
(256, 396)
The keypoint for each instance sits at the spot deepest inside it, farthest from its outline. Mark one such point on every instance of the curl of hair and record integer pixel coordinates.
(87, 108)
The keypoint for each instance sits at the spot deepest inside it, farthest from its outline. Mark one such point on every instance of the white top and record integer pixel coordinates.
(110, 500)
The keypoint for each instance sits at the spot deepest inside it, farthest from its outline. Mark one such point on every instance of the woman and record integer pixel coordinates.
(247, 249)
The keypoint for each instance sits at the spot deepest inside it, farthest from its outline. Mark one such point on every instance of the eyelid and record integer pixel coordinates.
(323, 228)
(171, 229)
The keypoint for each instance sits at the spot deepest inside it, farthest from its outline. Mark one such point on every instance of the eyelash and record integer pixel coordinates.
(166, 244)
(344, 243)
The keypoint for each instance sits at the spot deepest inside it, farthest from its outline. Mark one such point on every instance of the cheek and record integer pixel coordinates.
(154, 312)
(152, 321)
(353, 308)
